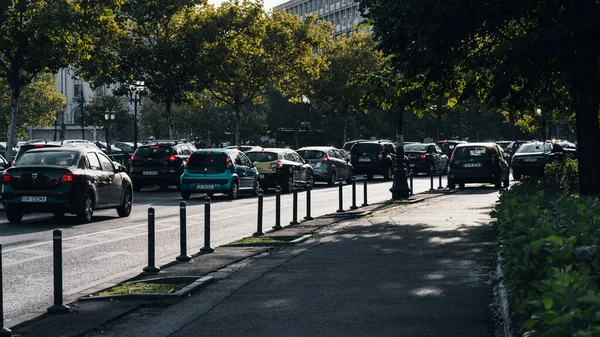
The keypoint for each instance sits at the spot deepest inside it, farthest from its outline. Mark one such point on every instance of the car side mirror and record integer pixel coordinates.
(254, 163)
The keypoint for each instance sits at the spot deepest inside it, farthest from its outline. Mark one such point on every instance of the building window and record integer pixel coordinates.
(77, 88)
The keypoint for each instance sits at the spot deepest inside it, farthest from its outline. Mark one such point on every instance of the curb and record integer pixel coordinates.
(269, 244)
(502, 292)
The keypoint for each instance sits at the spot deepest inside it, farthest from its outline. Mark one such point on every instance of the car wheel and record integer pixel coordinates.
(461, 185)
(311, 182)
(516, 175)
(58, 214)
(186, 195)
(332, 178)
(256, 188)
(86, 209)
(137, 187)
(13, 215)
(289, 183)
(234, 190)
(125, 209)
(388, 173)
(350, 179)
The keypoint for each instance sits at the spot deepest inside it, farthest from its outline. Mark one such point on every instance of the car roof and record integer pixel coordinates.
(226, 150)
(486, 144)
(320, 148)
(64, 149)
(272, 149)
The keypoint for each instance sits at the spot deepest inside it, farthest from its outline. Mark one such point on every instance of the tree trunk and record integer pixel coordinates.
(345, 112)
(238, 127)
(107, 138)
(169, 104)
(585, 95)
(14, 114)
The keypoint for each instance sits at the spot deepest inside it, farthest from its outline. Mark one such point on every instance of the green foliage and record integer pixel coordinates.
(562, 176)
(550, 258)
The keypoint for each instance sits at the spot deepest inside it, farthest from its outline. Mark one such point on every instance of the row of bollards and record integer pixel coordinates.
(60, 307)
(431, 174)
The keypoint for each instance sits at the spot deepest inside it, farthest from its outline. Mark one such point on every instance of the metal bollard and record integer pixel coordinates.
(58, 306)
(411, 174)
(4, 331)
(259, 222)
(365, 192)
(277, 208)
(207, 248)
(183, 233)
(353, 193)
(151, 268)
(341, 198)
(294, 207)
(431, 177)
(440, 187)
(308, 217)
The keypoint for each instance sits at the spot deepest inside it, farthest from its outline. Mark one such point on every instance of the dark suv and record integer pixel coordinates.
(478, 163)
(373, 157)
(159, 163)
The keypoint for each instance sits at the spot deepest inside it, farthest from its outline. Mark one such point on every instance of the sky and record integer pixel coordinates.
(268, 3)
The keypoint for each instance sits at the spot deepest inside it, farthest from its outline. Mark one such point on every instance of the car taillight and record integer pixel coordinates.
(380, 155)
(67, 178)
(228, 163)
(170, 158)
(6, 178)
(134, 158)
(325, 160)
(423, 156)
(276, 165)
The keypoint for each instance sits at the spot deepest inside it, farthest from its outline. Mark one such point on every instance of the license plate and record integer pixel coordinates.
(530, 160)
(33, 199)
(205, 187)
(362, 159)
(150, 173)
(411, 165)
(473, 165)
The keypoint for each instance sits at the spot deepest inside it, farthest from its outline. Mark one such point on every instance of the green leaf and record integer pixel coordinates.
(594, 300)
(554, 239)
(548, 302)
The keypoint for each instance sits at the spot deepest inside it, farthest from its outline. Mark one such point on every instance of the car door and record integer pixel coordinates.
(251, 172)
(343, 164)
(443, 158)
(99, 178)
(114, 181)
(302, 167)
(240, 170)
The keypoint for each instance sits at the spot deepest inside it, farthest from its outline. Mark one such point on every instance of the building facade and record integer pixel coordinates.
(344, 14)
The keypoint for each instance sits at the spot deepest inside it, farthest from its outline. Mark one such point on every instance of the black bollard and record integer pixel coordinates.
(341, 198)
(58, 307)
(411, 174)
(353, 193)
(365, 192)
(207, 248)
(308, 217)
(4, 331)
(259, 222)
(277, 208)
(440, 187)
(151, 267)
(183, 233)
(294, 207)
(431, 178)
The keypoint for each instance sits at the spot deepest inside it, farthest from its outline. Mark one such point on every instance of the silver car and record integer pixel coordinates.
(329, 164)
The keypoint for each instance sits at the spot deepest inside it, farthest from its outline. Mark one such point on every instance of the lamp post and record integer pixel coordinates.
(108, 117)
(400, 189)
(135, 97)
(82, 112)
(306, 102)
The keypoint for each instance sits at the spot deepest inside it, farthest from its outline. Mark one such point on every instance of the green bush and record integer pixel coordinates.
(549, 244)
(562, 176)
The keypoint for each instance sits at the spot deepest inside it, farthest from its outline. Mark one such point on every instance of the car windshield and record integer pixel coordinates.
(27, 147)
(415, 147)
(472, 152)
(153, 151)
(534, 147)
(208, 162)
(262, 156)
(366, 148)
(311, 154)
(58, 158)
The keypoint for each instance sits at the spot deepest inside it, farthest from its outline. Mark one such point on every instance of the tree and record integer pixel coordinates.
(102, 105)
(500, 49)
(257, 49)
(38, 104)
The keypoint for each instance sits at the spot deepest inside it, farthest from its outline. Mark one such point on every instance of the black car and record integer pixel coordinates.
(329, 164)
(448, 146)
(159, 163)
(532, 157)
(373, 157)
(512, 148)
(65, 180)
(423, 157)
(478, 163)
(281, 167)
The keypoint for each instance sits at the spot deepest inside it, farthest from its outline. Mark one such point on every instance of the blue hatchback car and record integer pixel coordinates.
(226, 171)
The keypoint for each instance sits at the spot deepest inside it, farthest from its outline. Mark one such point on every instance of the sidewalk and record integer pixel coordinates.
(422, 269)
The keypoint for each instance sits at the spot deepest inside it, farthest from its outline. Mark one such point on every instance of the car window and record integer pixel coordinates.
(262, 156)
(472, 152)
(288, 156)
(153, 151)
(415, 147)
(531, 148)
(438, 149)
(366, 148)
(238, 160)
(332, 154)
(93, 161)
(390, 148)
(58, 158)
(297, 158)
(245, 160)
(106, 163)
(311, 154)
(339, 154)
(208, 162)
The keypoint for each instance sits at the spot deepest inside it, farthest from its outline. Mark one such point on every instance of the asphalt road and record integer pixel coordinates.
(111, 249)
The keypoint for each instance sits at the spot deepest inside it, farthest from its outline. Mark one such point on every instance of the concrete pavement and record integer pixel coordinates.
(421, 269)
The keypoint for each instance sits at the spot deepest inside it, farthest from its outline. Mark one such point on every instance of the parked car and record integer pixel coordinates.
(423, 156)
(373, 157)
(448, 146)
(513, 147)
(245, 148)
(348, 146)
(159, 163)
(125, 146)
(65, 180)
(211, 171)
(281, 167)
(478, 163)
(329, 164)
(532, 157)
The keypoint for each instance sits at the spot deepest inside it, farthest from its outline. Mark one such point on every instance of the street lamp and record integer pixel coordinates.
(306, 102)
(108, 117)
(400, 189)
(135, 97)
